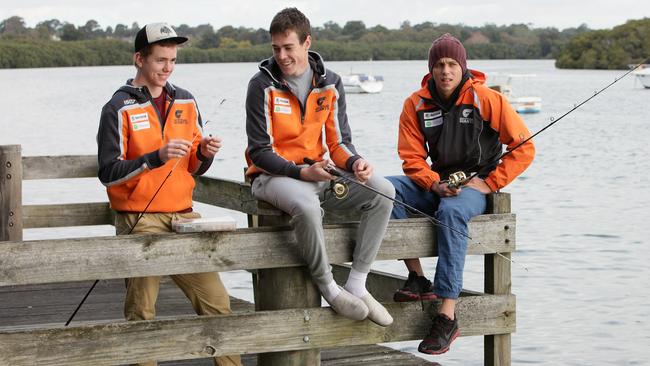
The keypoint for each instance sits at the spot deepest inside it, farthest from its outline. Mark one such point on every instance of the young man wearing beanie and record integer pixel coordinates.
(295, 109)
(460, 125)
(148, 129)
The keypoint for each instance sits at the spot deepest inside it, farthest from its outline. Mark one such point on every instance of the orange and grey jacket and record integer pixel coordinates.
(130, 134)
(282, 132)
(465, 136)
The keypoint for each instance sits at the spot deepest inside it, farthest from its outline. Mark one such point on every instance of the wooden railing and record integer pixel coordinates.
(289, 326)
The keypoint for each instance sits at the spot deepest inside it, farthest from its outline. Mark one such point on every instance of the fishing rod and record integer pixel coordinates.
(341, 191)
(130, 230)
(459, 178)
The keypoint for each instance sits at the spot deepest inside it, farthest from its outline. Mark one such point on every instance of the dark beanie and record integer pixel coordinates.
(447, 46)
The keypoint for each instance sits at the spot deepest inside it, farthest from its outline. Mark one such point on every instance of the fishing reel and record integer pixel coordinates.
(456, 180)
(339, 189)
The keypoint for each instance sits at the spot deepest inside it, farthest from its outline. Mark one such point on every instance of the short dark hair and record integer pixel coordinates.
(291, 19)
(146, 50)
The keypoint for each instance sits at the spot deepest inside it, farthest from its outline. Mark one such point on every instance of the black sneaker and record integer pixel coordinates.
(416, 288)
(442, 333)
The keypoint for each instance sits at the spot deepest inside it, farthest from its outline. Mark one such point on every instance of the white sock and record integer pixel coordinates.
(330, 291)
(356, 284)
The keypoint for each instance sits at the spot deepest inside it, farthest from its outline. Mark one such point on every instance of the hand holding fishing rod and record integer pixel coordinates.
(331, 169)
(174, 149)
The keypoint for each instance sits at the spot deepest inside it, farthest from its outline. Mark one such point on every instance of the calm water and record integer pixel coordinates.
(582, 207)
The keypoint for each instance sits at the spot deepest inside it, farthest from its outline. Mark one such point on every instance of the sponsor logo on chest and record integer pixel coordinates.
(432, 119)
(281, 105)
(139, 121)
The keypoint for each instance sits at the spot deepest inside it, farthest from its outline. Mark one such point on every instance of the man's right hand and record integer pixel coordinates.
(443, 190)
(316, 172)
(175, 148)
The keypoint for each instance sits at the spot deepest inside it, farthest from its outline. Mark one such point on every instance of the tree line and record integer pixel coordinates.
(54, 43)
(617, 48)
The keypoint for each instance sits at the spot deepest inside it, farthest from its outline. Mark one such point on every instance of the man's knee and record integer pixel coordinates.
(307, 211)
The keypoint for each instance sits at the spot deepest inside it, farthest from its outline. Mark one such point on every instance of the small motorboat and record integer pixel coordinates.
(642, 74)
(362, 83)
(525, 104)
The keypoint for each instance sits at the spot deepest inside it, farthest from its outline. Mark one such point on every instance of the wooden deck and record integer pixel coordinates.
(53, 303)
(288, 326)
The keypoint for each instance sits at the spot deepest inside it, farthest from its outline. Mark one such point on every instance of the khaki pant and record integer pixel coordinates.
(205, 290)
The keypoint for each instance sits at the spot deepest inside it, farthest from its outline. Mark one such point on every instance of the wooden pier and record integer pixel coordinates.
(42, 281)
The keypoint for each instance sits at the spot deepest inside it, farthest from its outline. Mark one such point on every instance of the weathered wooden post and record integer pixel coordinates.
(285, 288)
(11, 181)
(498, 281)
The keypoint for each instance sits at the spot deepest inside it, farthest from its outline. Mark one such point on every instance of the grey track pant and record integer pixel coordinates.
(305, 202)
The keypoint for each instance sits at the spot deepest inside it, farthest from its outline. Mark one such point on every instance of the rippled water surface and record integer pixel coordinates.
(582, 207)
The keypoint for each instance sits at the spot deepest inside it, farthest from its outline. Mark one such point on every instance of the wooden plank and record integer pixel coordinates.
(266, 331)
(53, 303)
(366, 355)
(79, 259)
(232, 195)
(498, 280)
(11, 223)
(64, 166)
(71, 214)
(371, 356)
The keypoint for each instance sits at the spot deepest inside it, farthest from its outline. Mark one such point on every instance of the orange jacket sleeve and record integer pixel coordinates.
(512, 131)
(410, 147)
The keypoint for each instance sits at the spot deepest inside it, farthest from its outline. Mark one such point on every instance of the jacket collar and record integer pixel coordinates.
(270, 67)
(141, 93)
(470, 79)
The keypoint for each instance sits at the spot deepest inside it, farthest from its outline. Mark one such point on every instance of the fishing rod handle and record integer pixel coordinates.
(330, 169)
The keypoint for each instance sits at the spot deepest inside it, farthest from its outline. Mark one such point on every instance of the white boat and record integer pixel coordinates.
(643, 75)
(362, 83)
(521, 104)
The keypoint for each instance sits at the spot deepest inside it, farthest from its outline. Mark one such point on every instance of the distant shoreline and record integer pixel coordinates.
(574, 48)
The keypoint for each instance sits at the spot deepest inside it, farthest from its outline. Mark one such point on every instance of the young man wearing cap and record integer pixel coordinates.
(148, 129)
(295, 109)
(460, 125)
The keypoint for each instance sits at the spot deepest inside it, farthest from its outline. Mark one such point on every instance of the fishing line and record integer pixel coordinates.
(458, 179)
(335, 172)
(140, 217)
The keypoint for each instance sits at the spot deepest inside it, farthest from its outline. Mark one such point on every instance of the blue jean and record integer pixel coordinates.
(453, 211)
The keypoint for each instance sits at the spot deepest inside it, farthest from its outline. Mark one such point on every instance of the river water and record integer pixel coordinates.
(582, 207)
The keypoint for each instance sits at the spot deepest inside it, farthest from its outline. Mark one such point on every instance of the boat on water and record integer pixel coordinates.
(643, 75)
(521, 104)
(362, 83)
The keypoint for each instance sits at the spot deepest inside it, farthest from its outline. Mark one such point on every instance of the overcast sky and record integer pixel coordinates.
(597, 14)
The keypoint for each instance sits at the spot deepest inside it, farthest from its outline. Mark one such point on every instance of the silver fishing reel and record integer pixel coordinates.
(456, 180)
(339, 189)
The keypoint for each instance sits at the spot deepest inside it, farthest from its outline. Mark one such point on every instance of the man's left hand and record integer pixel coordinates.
(362, 170)
(479, 184)
(210, 146)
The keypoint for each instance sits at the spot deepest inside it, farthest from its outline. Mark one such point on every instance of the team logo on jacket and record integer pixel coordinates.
(178, 120)
(466, 116)
(129, 101)
(321, 104)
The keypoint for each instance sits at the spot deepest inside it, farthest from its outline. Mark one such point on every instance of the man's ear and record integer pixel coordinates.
(138, 60)
(307, 42)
